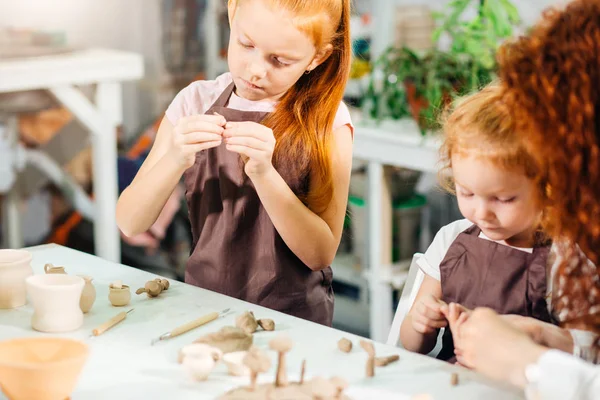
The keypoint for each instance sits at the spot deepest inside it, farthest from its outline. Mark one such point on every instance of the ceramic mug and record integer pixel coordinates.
(15, 267)
(55, 299)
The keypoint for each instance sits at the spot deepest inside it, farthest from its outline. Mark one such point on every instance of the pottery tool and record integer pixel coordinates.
(190, 325)
(110, 323)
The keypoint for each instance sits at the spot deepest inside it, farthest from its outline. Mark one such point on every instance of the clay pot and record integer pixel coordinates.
(119, 297)
(55, 299)
(88, 295)
(15, 267)
(51, 269)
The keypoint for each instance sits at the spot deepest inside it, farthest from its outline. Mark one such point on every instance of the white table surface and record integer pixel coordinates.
(123, 365)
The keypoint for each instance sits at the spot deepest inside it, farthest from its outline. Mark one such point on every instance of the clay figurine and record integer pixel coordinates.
(51, 269)
(267, 324)
(258, 362)
(88, 296)
(228, 339)
(385, 361)
(370, 349)
(119, 295)
(345, 345)
(281, 344)
(152, 288)
(318, 388)
(247, 322)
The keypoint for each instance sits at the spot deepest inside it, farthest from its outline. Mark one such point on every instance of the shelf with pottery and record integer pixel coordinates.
(123, 360)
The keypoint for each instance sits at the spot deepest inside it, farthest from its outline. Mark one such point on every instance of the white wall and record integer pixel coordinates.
(132, 25)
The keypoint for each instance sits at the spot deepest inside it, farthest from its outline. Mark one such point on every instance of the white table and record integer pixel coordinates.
(396, 143)
(123, 363)
(60, 74)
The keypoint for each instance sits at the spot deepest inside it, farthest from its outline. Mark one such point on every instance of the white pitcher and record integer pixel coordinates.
(55, 299)
(15, 267)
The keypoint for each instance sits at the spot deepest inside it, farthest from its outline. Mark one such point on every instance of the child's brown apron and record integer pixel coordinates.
(236, 249)
(481, 273)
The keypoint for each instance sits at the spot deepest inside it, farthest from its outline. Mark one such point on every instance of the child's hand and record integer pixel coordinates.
(196, 133)
(254, 142)
(427, 316)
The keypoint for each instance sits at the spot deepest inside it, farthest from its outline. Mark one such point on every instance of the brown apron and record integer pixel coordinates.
(236, 249)
(481, 273)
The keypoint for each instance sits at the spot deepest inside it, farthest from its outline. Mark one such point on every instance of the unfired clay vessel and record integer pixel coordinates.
(88, 295)
(15, 267)
(199, 359)
(235, 363)
(51, 269)
(119, 296)
(55, 299)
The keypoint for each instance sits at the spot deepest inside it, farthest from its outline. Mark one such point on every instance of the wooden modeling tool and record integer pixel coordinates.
(110, 323)
(190, 325)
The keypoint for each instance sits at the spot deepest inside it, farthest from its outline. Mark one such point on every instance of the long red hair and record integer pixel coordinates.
(302, 122)
(552, 78)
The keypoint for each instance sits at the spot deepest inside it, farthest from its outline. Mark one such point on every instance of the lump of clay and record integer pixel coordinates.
(454, 379)
(370, 349)
(228, 339)
(247, 322)
(266, 324)
(385, 361)
(345, 345)
(152, 288)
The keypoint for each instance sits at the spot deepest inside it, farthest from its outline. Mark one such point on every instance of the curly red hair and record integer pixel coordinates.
(552, 82)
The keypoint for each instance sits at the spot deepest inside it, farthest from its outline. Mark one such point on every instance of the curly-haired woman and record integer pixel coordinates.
(552, 82)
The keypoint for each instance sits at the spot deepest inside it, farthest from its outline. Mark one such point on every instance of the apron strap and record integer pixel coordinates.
(224, 97)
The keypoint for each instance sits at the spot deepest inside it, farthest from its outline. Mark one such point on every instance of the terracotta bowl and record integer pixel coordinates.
(40, 368)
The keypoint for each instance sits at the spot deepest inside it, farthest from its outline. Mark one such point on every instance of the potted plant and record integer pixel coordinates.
(407, 83)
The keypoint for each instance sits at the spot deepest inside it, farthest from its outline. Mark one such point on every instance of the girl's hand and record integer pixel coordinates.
(489, 344)
(427, 316)
(453, 313)
(254, 142)
(193, 134)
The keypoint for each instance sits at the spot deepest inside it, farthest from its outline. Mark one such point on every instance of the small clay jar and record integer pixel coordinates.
(119, 296)
(51, 269)
(88, 295)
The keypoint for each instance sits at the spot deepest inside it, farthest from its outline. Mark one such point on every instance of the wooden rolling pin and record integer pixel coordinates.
(110, 323)
(190, 325)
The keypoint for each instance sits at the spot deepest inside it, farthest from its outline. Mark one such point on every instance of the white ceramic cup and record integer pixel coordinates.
(15, 267)
(55, 299)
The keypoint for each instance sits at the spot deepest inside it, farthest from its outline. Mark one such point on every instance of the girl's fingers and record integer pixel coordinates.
(200, 137)
(246, 141)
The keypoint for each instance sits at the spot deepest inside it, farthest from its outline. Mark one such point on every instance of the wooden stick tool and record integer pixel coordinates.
(190, 325)
(110, 323)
